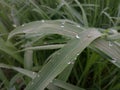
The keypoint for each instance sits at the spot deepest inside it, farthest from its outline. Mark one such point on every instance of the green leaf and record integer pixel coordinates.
(65, 56)
(45, 27)
(83, 13)
(44, 47)
(65, 85)
(32, 75)
(21, 70)
(3, 78)
(111, 49)
(8, 48)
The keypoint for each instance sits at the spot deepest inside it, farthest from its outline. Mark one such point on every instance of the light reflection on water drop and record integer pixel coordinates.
(43, 21)
(62, 26)
(69, 62)
(114, 60)
(14, 25)
(23, 24)
(78, 26)
(33, 73)
(77, 36)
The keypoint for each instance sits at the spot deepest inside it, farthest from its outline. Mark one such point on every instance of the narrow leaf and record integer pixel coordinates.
(62, 59)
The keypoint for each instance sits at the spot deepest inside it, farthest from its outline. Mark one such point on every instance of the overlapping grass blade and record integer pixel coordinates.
(73, 12)
(62, 59)
(32, 75)
(3, 78)
(44, 47)
(65, 85)
(66, 73)
(84, 15)
(8, 48)
(44, 27)
(20, 70)
(109, 48)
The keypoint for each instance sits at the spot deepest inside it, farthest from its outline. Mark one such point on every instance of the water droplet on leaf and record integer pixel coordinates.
(33, 73)
(43, 21)
(62, 26)
(77, 36)
(75, 58)
(69, 62)
(78, 26)
(14, 25)
(23, 25)
(114, 60)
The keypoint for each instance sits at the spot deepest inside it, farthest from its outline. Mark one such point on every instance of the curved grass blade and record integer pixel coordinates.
(62, 27)
(34, 74)
(83, 13)
(21, 70)
(111, 49)
(62, 59)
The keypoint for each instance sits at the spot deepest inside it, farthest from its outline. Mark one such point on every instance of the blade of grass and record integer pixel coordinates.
(83, 13)
(63, 27)
(9, 48)
(65, 85)
(62, 59)
(44, 47)
(109, 48)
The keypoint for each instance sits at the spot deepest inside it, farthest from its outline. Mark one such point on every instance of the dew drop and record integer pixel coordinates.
(33, 73)
(77, 36)
(77, 54)
(110, 44)
(14, 25)
(69, 62)
(62, 26)
(114, 60)
(78, 26)
(75, 58)
(43, 21)
(23, 25)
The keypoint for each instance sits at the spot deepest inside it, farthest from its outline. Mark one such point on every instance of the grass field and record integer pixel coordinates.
(59, 45)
